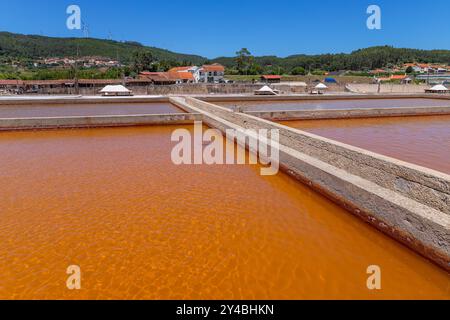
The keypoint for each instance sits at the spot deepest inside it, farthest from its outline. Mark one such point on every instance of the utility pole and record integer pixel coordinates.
(85, 29)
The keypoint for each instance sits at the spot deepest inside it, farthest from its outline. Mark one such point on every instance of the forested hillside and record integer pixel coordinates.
(364, 59)
(34, 47)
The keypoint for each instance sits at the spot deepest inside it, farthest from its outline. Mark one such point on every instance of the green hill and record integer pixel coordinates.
(364, 59)
(35, 47)
(32, 47)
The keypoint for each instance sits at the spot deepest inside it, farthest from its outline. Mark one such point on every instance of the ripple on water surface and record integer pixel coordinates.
(111, 201)
(424, 141)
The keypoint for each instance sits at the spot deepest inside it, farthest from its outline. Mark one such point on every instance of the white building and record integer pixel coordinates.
(213, 73)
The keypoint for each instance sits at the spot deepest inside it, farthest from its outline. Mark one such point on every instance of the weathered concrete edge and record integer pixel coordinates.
(82, 100)
(422, 184)
(209, 98)
(237, 98)
(420, 227)
(96, 121)
(399, 217)
(287, 115)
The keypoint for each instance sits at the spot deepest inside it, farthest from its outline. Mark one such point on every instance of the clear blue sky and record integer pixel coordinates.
(215, 28)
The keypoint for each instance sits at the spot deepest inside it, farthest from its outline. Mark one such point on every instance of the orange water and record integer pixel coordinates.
(64, 110)
(420, 140)
(111, 201)
(336, 104)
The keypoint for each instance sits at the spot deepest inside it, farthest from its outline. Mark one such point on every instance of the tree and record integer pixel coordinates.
(409, 70)
(244, 60)
(298, 71)
(142, 60)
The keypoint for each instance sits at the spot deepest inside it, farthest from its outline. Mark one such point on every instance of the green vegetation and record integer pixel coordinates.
(298, 71)
(19, 54)
(358, 61)
(35, 47)
(307, 79)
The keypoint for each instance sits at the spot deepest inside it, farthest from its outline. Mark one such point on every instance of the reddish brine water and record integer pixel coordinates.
(335, 104)
(112, 202)
(101, 109)
(420, 140)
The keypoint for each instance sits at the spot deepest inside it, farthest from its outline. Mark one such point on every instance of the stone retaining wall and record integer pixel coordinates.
(408, 202)
(348, 113)
(387, 88)
(96, 121)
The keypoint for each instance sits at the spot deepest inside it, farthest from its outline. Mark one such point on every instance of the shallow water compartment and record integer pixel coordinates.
(421, 140)
(112, 202)
(100, 109)
(334, 104)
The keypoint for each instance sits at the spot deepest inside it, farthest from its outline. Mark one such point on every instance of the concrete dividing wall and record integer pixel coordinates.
(333, 97)
(96, 121)
(387, 88)
(78, 99)
(181, 89)
(407, 202)
(349, 113)
(50, 100)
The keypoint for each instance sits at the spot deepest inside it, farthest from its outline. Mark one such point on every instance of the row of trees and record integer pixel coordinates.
(246, 64)
(145, 61)
(361, 60)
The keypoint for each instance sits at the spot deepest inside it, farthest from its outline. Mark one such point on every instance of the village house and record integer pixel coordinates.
(157, 78)
(189, 74)
(186, 74)
(426, 68)
(404, 79)
(213, 73)
(168, 78)
(270, 79)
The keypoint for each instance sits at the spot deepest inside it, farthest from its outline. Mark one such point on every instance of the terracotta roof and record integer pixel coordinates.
(378, 71)
(11, 82)
(157, 76)
(47, 82)
(271, 77)
(214, 67)
(398, 77)
(181, 75)
(180, 69)
(140, 80)
(99, 81)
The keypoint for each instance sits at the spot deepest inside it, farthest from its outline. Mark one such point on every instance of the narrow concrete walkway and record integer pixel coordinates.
(9, 124)
(408, 202)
